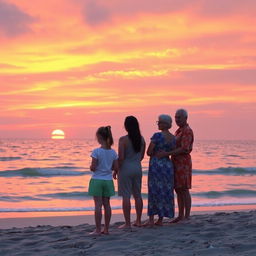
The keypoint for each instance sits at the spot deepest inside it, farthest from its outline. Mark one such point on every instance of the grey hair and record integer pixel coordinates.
(166, 118)
(183, 112)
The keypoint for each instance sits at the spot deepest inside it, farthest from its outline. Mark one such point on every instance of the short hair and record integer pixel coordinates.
(166, 118)
(182, 112)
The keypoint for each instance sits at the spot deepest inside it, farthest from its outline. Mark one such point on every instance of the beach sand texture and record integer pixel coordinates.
(208, 234)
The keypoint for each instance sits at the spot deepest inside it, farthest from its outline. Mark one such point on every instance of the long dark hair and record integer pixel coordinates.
(106, 134)
(131, 125)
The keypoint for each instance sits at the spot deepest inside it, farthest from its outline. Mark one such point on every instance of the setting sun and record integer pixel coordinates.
(58, 134)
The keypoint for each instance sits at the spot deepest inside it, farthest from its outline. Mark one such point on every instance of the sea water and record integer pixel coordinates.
(51, 176)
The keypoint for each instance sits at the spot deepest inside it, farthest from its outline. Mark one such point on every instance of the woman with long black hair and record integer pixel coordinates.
(131, 151)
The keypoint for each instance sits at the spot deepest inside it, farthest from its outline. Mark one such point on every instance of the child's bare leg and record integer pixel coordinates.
(107, 213)
(97, 214)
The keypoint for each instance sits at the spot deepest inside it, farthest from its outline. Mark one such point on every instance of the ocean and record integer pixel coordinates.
(50, 177)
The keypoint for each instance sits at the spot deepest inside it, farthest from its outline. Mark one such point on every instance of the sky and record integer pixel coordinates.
(76, 65)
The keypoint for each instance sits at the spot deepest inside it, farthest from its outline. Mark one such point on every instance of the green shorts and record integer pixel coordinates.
(101, 188)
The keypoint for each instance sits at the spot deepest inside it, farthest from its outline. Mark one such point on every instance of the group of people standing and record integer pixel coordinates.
(170, 167)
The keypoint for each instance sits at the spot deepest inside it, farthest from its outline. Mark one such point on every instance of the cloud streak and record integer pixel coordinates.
(14, 21)
(98, 12)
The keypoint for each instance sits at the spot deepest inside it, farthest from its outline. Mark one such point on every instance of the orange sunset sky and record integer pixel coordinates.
(78, 64)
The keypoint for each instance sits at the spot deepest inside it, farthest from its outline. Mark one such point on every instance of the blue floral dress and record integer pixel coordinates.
(161, 180)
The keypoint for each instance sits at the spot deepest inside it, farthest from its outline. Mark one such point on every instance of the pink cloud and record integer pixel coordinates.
(97, 12)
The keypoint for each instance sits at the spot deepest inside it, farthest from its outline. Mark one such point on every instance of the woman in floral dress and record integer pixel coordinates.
(161, 174)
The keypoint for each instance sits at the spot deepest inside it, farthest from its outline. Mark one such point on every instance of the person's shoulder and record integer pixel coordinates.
(109, 151)
(188, 129)
(187, 132)
(95, 152)
(156, 135)
(112, 150)
(113, 153)
(123, 138)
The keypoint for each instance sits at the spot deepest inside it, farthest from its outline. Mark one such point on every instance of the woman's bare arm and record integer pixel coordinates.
(121, 150)
(150, 149)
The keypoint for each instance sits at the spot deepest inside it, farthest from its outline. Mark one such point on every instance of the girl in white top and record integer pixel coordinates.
(101, 187)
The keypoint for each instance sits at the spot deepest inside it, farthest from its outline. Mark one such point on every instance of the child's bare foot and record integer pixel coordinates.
(104, 232)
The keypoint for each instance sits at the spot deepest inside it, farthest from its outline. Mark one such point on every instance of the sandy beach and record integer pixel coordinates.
(220, 233)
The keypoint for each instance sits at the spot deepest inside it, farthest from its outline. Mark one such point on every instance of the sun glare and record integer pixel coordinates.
(58, 135)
